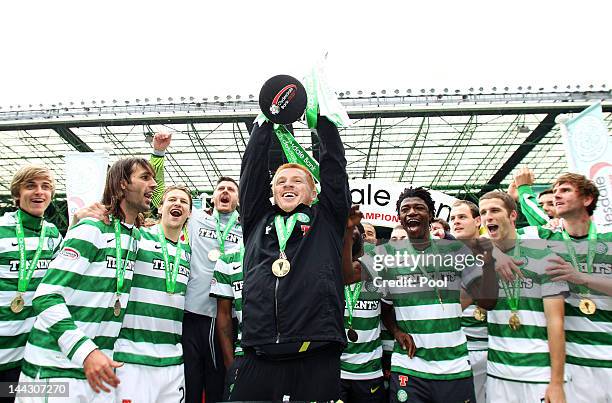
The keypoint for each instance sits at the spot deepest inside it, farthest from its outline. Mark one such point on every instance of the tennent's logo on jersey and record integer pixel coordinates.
(41, 265)
(212, 234)
(403, 379)
(305, 229)
(111, 263)
(158, 264)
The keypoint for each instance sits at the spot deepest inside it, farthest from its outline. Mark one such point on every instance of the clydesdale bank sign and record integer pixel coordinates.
(377, 199)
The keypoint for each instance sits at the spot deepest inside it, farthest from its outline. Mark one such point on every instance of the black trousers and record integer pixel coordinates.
(310, 376)
(362, 391)
(407, 388)
(12, 376)
(204, 370)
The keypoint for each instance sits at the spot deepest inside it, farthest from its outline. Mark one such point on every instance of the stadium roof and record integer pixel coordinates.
(456, 141)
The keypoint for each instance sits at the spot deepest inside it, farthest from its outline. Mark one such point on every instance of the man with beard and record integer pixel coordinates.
(27, 244)
(526, 353)
(293, 281)
(430, 357)
(84, 293)
(585, 261)
(465, 225)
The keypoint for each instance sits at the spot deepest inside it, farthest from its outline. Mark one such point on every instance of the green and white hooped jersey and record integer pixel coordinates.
(436, 328)
(361, 360)
(522, 355)
(475, 330)
(588, 338)
(15, 327)
(153, 323)
(75, 301)
(227, 283)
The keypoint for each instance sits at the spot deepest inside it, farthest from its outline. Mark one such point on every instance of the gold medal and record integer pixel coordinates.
(17, 303)
(480, 314)
(587, 306)
(117, 308)
(514, 322)
(352, 335)
(281, 267)
(214, 255)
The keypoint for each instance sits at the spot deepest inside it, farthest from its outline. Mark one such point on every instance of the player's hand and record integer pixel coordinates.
(513, 191)
(506, 267)
(96, 210)
(560, 270)
(99, 370)
(161, 141)
(437, 233)
(406, 341)
(523, 177)
(553, 223)
(554, 393)
(355, 217)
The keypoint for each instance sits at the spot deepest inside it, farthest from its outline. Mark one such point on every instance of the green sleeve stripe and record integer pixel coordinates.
(44, 302)
(76, 347)
(158, 167)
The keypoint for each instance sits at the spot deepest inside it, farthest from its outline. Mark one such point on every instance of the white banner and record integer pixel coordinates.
(85, 178)
(589, 152)
(378, 199)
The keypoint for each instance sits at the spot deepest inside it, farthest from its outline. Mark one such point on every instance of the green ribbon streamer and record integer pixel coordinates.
(26, 271)
(120, 268)
(591, 239)
(284, 230)
(171, 271)
(351, 296)
(230, 225)
(513, 290)
(312, 105)
(294, 152)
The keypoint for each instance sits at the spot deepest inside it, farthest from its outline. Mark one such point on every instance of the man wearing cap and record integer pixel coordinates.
(293, 304)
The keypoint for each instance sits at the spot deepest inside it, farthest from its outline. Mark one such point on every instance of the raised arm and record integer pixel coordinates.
(161, 141)
(255, 178)
(335, 195)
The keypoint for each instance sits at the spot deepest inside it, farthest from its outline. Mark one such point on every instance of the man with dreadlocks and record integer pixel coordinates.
(81, 301)
(422, 308)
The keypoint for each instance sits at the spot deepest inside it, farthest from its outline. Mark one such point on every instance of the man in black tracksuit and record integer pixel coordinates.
(293, 330)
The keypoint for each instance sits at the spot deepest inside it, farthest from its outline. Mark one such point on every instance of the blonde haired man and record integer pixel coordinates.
(27, 244)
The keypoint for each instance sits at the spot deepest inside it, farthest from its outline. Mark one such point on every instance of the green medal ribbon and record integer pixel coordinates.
(284, 230)
(591, 239)
(513, 290)
(26, 271)
(120, 268)
(230, 225)
(294, 152)
(351, 296)
(171, 271)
